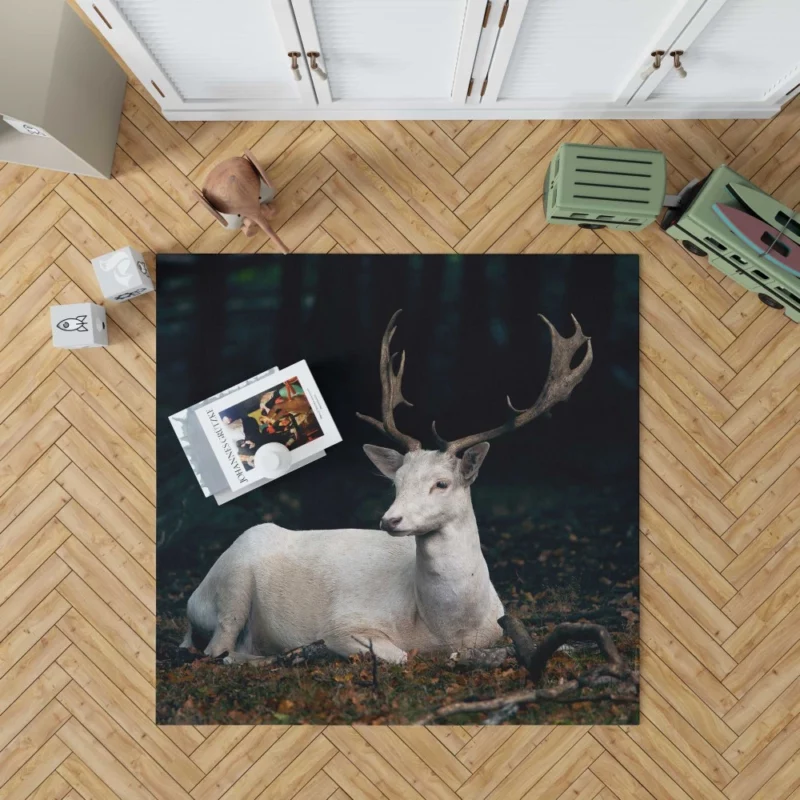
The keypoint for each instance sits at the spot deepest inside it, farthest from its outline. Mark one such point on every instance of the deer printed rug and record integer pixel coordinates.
(480, 570)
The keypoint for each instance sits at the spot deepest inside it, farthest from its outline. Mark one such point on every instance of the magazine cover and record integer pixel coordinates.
(197, 447)
(284, 408)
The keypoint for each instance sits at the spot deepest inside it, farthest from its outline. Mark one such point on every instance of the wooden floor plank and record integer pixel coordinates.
(757, 736)
(682, 480)
(26, 198)
(685, 702)
(419, 161)
(780, 567)
(681, 552)
(30, 267)
(685, 664)
(158, 203)
(692, 635)
(670, 735)
(135, 574)
(641, 766)
(510, 195)
(374, 225)
(83, 598)
(684, 375)
(437, 143)
(12, 176)
(385, 199)
(125, 713)
(160, 132)
(118, 597)
(31, 738)
(38, 768)
(509, 754)
(106, 658)
(33, 529)
(380, 158)
(209, 134)
(157, 165)
(769, 615)
(36, 296)
(106, 773)
(683, 446)
(683, 411)
(299, 152)
(237, 762)
(673, 581)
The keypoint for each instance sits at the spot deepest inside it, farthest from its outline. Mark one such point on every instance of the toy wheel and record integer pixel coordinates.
(592, 226)
(693, 248)
(769, 301)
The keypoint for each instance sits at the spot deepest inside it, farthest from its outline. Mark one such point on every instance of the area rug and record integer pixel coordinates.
(483, 570)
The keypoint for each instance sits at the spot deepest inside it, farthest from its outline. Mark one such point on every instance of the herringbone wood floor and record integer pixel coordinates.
(720, 473)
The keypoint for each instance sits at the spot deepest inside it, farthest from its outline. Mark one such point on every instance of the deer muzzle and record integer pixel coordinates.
(390, 524)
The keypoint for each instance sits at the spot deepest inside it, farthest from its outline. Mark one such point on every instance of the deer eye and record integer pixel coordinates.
(441, 485)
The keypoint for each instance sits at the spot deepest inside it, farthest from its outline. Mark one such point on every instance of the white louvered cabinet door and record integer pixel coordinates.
(208, 54)
(747, 51)
(578, 53)
(384, 54)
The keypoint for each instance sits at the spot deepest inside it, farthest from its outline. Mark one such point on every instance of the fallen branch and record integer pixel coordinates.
(501, 715)
(374, 684)
(535, 659)
(479, 657)
(503, 704)
(316, 652)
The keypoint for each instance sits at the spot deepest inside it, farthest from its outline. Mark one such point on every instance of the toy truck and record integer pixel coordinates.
(702, 231)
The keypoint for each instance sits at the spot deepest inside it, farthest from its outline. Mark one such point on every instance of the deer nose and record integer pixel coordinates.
(390, 523)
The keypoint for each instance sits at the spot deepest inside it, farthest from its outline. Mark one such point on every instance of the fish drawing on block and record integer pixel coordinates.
(764, 239)
(769, 209)
(78, 324)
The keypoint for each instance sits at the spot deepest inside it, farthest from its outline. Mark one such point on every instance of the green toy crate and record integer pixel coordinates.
(696, 225)
(599, 187)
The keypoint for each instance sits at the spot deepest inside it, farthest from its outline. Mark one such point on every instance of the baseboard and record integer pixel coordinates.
(650, 111)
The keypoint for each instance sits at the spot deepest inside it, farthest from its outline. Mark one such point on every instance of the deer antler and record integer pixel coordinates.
(392, 393)
(561, 380)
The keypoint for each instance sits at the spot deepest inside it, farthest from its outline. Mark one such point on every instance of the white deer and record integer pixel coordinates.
(423, 585)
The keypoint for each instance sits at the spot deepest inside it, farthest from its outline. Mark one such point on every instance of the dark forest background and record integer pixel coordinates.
(557, 502)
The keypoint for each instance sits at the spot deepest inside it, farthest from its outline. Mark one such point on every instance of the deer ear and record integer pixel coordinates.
(386, 460)
(471, 461)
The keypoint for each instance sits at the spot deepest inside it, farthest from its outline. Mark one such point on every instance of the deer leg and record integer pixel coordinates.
(223, 641)
(382, 647)
(231, 619)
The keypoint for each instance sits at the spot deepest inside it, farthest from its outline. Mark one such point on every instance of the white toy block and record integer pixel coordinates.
(78, 325)
(122, 274)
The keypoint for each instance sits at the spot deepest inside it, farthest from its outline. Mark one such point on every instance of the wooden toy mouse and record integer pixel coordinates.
(234, 195)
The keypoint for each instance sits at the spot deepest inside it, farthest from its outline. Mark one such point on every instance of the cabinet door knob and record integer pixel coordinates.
(295, 67)
(657, 56)
(676, 60)
(313, 56)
